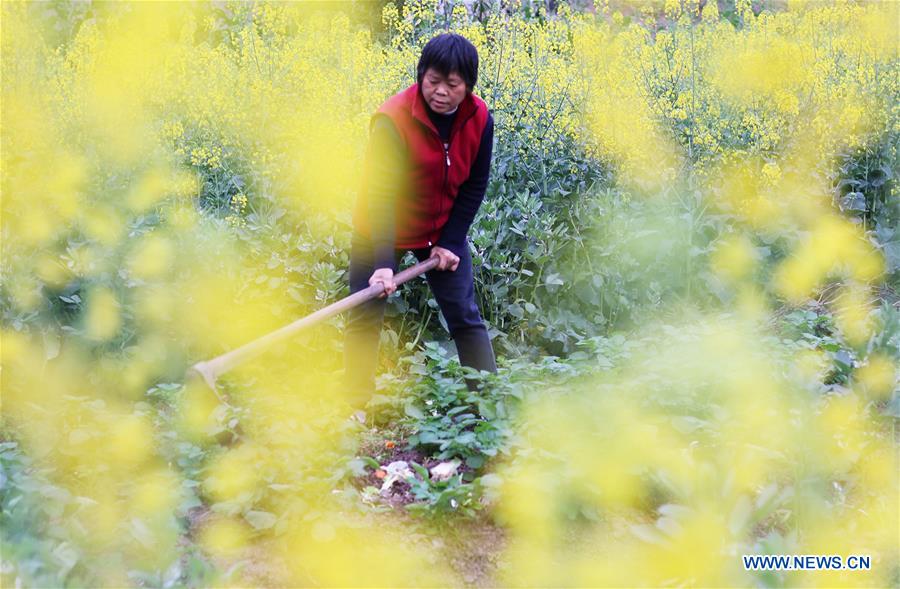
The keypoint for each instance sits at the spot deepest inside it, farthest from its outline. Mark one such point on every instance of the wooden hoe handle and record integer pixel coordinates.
(210, 370)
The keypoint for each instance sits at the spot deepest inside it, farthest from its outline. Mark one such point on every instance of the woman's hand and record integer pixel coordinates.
(386, 277)
(448, 260)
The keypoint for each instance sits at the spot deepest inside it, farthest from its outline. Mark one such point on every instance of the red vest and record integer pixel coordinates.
(435, 173)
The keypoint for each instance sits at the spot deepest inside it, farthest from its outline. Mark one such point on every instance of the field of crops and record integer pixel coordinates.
(688, 260)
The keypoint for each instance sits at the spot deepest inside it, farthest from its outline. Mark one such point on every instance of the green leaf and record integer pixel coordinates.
(414, 412)
(465, 438)
(261, 520)
(476, 461)
(371, 462)
(853, 201)
(357, 466)
(67, 556)
(423, 472)
(428, 438)
(189, 502)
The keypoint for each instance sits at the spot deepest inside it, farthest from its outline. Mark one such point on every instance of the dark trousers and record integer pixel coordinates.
(455, 295)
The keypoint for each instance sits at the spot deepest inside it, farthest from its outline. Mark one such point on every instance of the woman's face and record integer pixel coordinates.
(443, 93)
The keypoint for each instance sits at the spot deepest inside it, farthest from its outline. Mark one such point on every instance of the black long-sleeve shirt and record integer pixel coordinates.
(387, 167)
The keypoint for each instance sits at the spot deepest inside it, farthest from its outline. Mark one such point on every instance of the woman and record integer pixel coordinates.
(426, 173)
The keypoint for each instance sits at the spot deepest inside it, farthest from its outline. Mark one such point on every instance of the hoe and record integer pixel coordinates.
(210, 370)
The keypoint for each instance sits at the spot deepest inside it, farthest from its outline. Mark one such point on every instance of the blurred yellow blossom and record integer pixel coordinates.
(103, 314)
(878, 376)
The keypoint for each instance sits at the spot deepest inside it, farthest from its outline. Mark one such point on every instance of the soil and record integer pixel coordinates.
(474, 552)
(471, 547)
(399, 493)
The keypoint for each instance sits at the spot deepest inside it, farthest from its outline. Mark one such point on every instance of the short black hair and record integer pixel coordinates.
(448, 53)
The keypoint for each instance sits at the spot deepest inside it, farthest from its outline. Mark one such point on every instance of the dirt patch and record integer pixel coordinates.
(256, 564)
(262, 567)
(474, 550)
(385, 452)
